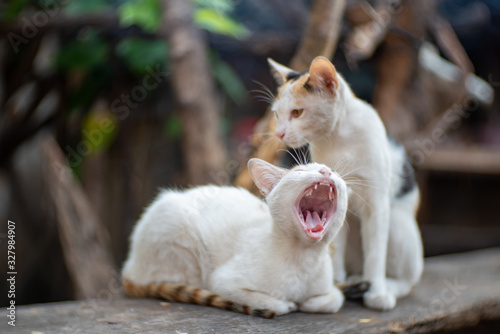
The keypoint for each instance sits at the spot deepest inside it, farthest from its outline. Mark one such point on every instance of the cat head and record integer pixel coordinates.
(308, 201)
(307, 104)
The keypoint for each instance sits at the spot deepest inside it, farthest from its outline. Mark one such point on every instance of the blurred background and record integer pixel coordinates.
(105, 101)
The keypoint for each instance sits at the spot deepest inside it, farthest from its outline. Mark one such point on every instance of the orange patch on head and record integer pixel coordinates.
(298, 89)
(296, 86)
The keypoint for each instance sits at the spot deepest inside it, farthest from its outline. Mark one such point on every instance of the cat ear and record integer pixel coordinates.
(265, 175)
(322, 75)
(280, 72)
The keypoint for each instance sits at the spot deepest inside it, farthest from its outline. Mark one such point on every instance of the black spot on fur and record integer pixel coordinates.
(268, 314)
(408, 177)
(294, 75)
(229, 306)
(179, 293)
(308, 87)
(210, 299)
(407, 173)
(294, 156)
(355, 292)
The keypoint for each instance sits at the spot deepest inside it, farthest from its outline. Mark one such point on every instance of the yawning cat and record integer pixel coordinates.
(224, 247)
(318, 108)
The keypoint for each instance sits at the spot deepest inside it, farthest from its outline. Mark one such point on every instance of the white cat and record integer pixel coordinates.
(224, 247)
(382, 238)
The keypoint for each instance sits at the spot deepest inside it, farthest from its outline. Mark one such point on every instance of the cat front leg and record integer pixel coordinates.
(375, 235)
(329, 302)
(337, 253)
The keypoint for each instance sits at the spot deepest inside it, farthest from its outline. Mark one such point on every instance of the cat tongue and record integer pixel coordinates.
(314, 221)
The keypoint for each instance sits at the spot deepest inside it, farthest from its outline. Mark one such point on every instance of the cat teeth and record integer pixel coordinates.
(309, 192)
(323, 217)
(330, 194)
(315, 187)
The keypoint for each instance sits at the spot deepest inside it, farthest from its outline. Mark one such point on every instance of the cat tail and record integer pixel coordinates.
(188, 294)
(353, 291)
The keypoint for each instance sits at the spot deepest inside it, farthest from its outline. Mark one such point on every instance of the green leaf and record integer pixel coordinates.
(99, 129)
(173, 127)
(229, 81)
(14, 8)
(78, 7)
(219, 23)
(94, 82)
(87, 51)
(223, 6)
(144, 13)
(139, 54)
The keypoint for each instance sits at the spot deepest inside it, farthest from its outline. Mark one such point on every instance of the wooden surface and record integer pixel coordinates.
(456, 291)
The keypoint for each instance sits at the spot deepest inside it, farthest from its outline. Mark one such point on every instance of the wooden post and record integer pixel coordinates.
(204, 152)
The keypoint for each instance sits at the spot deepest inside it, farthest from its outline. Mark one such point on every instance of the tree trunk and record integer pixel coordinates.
(322, 33)
(193, 85)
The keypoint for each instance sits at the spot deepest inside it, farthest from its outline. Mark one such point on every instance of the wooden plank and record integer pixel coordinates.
(456, 291)
(445, 239)
(465, 160)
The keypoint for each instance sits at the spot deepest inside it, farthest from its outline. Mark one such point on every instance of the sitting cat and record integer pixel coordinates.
(383, 245)
(224, 247)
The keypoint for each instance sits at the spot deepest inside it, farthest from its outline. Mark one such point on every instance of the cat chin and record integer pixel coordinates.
(295, 145)
(315, 209)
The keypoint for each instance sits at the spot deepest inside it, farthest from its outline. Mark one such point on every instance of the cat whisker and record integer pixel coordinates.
(351, 171)
(361, 198)
(265, 91)
(295, 158)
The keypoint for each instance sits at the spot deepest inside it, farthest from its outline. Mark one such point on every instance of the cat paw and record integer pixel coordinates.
(284, 307)
(380, 302)
(327, 303)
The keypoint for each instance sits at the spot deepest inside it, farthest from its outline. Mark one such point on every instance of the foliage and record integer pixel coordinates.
(88, 50)
(88, 57)
(14, 8)
(139, 54)
(78, 7)
(92, 125)
(209, 15)
(173, 127)
(144, 13)
(229, 81)
(219, 23)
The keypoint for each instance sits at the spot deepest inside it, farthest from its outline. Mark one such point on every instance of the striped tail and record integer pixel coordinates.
(187, 294)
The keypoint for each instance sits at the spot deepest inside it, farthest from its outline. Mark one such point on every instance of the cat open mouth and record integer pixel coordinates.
(315, 208)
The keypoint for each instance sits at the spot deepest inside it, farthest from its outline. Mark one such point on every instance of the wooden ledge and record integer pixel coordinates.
(456, 291)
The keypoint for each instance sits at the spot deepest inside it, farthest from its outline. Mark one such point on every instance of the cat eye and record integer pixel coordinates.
(297, 112)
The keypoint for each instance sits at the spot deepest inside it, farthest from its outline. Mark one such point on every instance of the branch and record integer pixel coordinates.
(322, 33)
(84, 241)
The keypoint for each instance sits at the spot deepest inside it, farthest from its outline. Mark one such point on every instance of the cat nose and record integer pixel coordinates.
(325, 172)
(280, 134)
